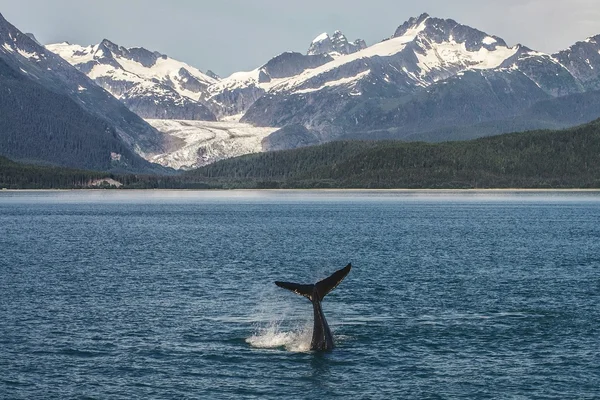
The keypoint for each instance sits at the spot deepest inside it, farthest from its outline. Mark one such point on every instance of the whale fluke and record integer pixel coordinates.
(322, 338)
(302, 290)
(328, 284)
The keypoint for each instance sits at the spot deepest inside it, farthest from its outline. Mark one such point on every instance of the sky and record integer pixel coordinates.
(239, 35)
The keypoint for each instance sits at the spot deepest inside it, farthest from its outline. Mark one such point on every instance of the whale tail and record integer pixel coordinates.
(320, 289)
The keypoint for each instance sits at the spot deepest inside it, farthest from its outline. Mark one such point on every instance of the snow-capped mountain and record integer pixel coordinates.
(582, 60)
(432, 79)
(53, 113)
(335, 45)
(149, 83)
(421, 52)
(430, 74)
(174, 97)
(236, 93)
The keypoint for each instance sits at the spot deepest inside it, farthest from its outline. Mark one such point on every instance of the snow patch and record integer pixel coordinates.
(8, 48)
(339, 82)
(31, 56)
(455, 54)
(489, 40)
(165, 71)
(72, 53)
(386, 48)
(323, 36)
(242, 80)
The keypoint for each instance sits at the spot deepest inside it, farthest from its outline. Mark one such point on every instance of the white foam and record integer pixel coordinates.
(271, 337)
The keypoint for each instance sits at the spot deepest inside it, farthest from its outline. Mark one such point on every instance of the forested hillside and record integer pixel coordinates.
(14, 175)
(22, 176)
(539, 159)
(545, 159)
(53, 114)
(38, 124)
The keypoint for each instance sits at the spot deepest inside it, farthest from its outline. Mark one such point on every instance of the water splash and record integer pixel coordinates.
(280, 324)
(272, 336)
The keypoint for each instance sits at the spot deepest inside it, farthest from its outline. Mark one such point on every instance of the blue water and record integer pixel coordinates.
(126, 295)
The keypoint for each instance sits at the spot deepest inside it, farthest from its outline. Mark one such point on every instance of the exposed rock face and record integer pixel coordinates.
(336, 44)
(290, 137)
(213, 75)
(168, 106)
(583, 62)
(237, 97)
(291, 64)
(32, 37)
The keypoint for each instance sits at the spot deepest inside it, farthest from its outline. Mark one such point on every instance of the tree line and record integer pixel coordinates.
(538, 159)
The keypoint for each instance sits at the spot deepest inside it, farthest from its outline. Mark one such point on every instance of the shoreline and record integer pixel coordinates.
(523, 190)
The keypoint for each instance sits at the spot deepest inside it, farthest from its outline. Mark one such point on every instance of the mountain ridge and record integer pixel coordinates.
(53, 113)
(429, 79)
(149, 83)
(534, 159)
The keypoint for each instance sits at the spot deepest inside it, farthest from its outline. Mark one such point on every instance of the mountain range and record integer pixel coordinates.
(432, 80)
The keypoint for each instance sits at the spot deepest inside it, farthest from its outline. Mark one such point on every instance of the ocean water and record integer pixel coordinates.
(170, 295)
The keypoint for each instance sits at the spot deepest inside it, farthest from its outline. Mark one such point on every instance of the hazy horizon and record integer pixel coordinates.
(234, 35)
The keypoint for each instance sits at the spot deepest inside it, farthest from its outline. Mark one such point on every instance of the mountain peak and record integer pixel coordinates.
(138, 54)
(422, 18)
(323, 36)
(108, 43)
(438, 30)
(337, 43)
(411, 24)
(108, 48)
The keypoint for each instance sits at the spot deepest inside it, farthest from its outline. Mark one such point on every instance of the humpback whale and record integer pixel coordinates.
(322, 339)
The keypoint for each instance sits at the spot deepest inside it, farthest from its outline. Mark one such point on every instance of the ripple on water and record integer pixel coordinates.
(173, 297)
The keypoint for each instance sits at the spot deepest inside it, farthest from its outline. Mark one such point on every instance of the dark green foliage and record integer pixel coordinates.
(39, 125)
(539, 159)
(22, 176)
(15, 175)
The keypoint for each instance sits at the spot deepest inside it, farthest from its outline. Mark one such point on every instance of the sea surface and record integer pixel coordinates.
(170, 294)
